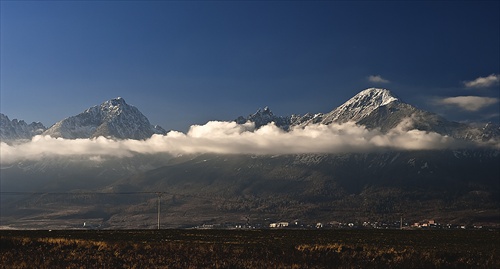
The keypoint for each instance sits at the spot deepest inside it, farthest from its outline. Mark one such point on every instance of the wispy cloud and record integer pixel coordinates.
(469, 103)
(232, 138)
(377, 79)
(483, 82)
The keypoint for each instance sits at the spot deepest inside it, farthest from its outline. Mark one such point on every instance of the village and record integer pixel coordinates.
(296, 224)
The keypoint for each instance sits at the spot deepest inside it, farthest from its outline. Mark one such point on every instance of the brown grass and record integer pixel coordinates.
(245, 249)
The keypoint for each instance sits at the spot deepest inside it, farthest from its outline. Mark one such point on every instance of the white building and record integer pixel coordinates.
(278, 225)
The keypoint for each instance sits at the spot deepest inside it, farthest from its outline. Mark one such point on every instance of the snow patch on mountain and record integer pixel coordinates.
(360, 106)
(380, 109)
(113, 118)
(263, 117)
(18, 129)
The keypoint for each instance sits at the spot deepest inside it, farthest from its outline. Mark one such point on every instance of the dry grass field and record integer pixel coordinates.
(250, 249)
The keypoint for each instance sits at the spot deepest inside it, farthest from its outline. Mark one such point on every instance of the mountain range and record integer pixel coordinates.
(449, 185)
(379, 108)
(18, 129)
(114, 118)
(372, 108)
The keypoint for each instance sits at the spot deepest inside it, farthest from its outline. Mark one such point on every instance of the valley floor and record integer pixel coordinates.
(250, 249)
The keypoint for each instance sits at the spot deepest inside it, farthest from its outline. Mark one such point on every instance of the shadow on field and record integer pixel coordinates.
(250, 249)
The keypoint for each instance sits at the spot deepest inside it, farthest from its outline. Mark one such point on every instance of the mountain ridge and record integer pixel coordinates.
(381, 109)
(18, 129)
(373, 108)
(361, 105)
(449, 185)
(113, 118)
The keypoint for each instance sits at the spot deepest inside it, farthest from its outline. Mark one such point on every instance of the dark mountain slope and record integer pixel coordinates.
(427, 184)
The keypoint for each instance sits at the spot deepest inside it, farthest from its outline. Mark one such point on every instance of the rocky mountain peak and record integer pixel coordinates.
(115, 102)
(114, 106)
(375, 96)
(361, 105)
(18, 129)
(266, 110)
(113, 118)
(263, 117)
(265, 113)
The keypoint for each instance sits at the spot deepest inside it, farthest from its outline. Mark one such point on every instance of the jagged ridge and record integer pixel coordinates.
(382, 109)
(113, 118)
(263, 117)
(18, 129)
(373, 108)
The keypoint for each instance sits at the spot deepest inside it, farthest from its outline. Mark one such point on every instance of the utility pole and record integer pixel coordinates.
(159, 204)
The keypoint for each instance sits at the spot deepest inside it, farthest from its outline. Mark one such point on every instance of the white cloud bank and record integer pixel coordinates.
(483, 82)
(233, 138)
(469, 103)
(377, 79)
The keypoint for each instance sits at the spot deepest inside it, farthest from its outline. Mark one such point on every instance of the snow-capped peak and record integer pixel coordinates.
(263, 117)
(114, 104)
(374, 96)
(113, 118)
(266, 112)
(361, 105)
(116, 101)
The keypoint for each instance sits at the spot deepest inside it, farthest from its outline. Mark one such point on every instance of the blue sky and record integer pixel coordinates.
(184, 63)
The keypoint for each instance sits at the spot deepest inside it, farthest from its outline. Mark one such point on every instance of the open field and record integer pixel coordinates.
(250, 249)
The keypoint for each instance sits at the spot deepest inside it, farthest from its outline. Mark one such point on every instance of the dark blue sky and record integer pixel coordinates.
(184, 63)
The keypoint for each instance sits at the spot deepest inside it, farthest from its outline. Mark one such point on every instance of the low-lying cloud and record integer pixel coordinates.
(232, 138)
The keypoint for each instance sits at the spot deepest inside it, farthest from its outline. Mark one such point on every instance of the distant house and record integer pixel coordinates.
(278, 225)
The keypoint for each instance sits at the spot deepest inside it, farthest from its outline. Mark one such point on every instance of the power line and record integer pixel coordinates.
(158, 193)
(194, 196)
(78, 193)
